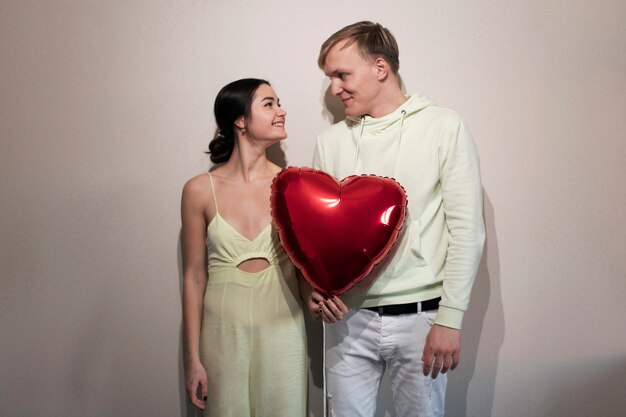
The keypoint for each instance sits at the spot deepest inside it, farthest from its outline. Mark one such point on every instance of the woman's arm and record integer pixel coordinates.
(194, 284)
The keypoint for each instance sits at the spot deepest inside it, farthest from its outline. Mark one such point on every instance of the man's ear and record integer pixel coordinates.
(382, 68)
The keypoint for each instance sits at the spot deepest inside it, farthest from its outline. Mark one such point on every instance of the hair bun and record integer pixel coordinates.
(221, 147)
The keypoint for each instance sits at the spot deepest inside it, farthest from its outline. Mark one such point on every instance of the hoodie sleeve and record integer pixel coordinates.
(463, 207)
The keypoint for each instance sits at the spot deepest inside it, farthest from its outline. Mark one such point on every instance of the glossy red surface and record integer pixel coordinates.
(336, 231)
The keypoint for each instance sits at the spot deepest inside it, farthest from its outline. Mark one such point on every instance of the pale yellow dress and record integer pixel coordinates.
(253, 339)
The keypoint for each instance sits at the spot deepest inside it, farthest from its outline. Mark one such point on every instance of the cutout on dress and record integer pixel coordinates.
(254, 265)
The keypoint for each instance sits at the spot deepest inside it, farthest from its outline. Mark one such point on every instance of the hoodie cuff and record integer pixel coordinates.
(449, 317)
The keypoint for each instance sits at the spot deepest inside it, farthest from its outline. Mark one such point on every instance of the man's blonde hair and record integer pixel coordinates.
(372, 40)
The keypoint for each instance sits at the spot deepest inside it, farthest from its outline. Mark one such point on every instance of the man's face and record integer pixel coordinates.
(352, 79)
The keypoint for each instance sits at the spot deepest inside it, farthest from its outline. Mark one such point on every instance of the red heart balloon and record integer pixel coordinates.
(335, 232)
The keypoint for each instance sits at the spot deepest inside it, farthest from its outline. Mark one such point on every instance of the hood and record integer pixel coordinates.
(373, 127)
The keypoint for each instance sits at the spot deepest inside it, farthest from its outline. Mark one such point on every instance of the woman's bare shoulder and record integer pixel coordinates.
(197, 183)
(198, 189)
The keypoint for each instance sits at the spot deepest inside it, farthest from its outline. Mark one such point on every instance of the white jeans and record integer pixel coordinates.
(358, 351)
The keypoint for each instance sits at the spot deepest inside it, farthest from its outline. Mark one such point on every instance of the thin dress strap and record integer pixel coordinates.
(213, 191)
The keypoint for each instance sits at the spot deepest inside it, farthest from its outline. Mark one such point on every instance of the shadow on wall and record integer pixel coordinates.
(586, 388)
(276, 155)
(186, 408)
(332, 110)
(315, 346)
(483, 326)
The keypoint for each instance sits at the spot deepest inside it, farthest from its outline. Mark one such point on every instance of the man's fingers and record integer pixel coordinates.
(427, 358)
(437, 366)
(440, 362)
(455, 360)
(447, 363)
(441, 351)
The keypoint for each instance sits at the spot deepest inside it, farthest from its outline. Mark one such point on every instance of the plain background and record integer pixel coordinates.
(106, 110)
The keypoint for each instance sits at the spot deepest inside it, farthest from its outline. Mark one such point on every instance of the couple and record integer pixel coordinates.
(244, 336)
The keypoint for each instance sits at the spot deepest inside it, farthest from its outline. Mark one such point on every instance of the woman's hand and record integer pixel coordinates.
(196, 384)
(330, 309)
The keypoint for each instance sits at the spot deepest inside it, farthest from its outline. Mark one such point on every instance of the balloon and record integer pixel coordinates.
(336, 231)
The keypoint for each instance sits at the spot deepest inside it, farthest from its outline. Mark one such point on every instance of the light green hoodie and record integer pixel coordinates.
(430, 152)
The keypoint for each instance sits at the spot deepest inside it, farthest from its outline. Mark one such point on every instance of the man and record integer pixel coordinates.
(405, 317)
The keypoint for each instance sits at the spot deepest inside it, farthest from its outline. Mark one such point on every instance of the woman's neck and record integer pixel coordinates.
(248, 164)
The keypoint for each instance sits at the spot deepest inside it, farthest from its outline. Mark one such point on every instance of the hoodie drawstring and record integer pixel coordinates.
(395, 161)
(358, 144)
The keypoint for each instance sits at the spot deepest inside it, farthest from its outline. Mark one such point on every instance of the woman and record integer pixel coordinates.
(244, 332)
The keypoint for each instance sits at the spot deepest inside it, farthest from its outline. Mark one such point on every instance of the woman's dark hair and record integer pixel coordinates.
(233, 101)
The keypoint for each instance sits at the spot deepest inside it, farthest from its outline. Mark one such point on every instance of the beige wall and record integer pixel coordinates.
(106, 108)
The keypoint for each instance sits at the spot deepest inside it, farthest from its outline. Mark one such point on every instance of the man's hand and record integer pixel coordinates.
(441, 350)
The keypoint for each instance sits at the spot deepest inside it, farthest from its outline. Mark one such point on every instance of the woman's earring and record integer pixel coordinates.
(243, 130)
